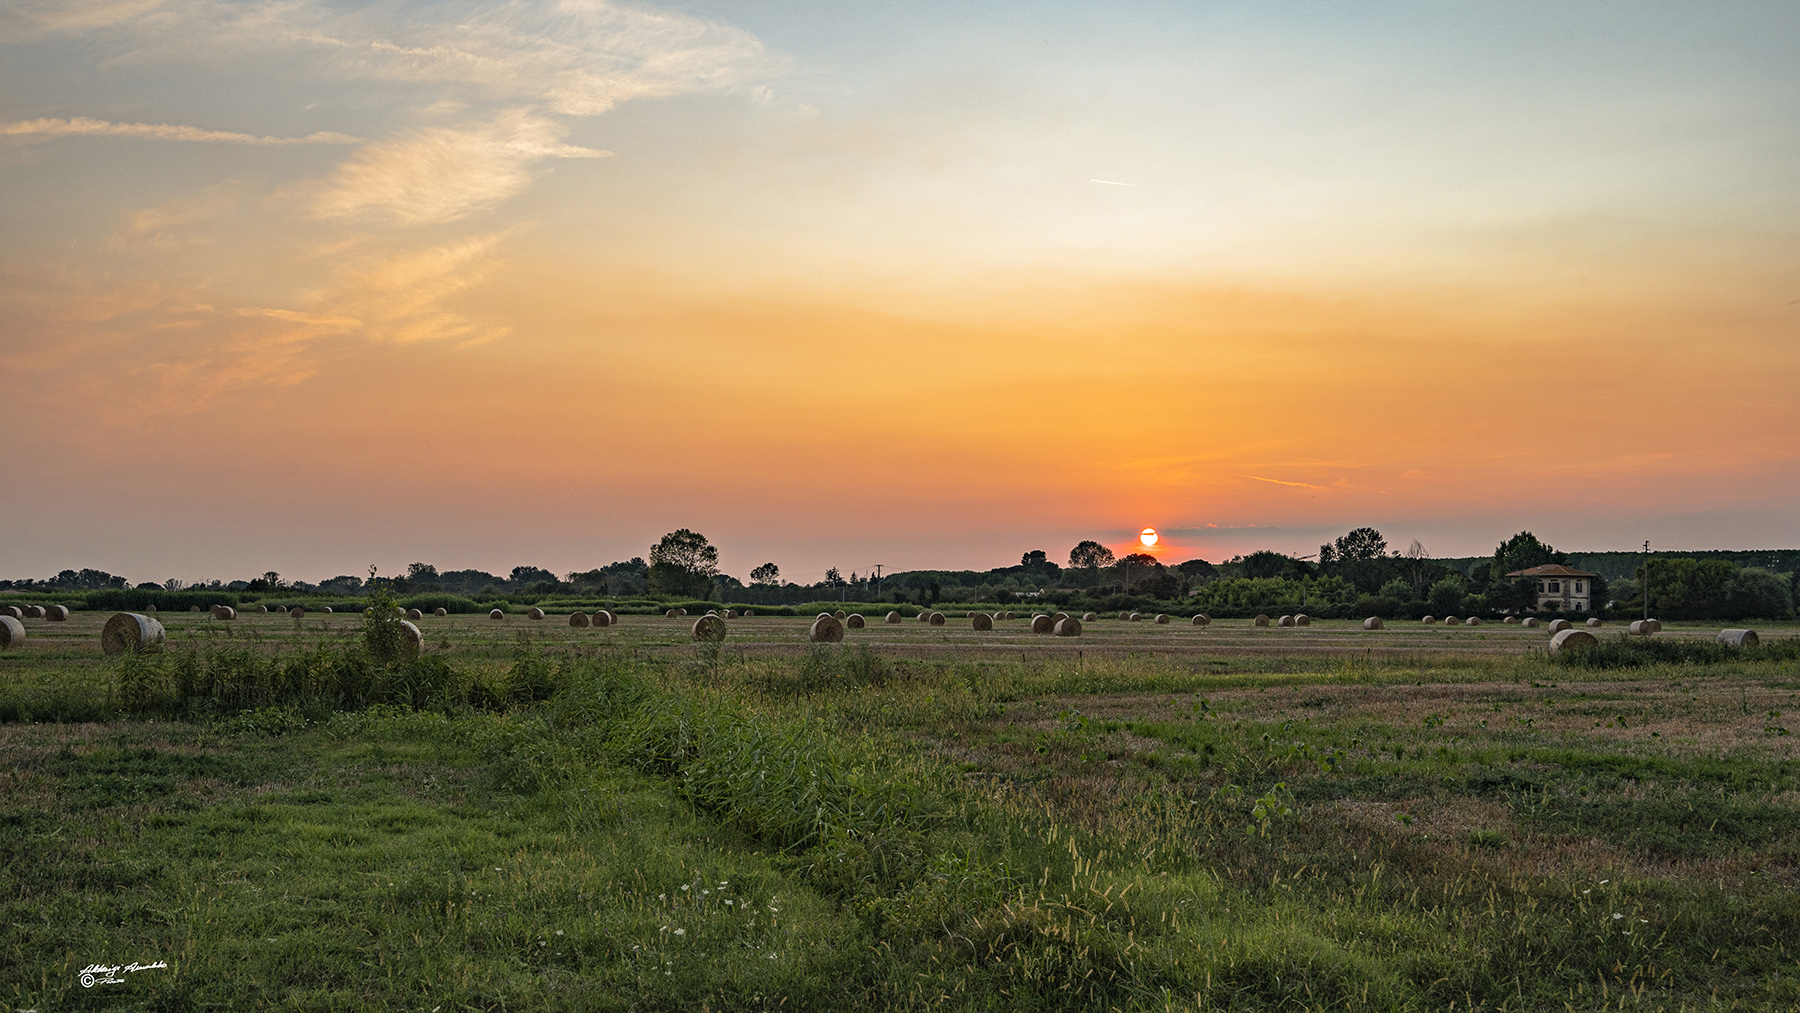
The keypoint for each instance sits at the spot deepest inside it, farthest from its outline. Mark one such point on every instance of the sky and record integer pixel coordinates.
(306, 286)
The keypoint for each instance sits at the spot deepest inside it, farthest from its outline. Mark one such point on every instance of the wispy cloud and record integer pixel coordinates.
(83, 126)
(443, 173)
(1277, 481)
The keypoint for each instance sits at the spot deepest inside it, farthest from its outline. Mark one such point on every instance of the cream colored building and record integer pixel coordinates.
(1559, 587)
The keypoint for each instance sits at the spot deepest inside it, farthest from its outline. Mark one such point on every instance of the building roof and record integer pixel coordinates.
(1551, 570)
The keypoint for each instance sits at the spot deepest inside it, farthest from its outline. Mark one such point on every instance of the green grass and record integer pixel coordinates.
(642, 825)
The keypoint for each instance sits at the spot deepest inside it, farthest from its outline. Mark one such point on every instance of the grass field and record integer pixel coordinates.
(1146, 817)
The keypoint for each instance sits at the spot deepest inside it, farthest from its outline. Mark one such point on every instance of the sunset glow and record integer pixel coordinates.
(305, 286)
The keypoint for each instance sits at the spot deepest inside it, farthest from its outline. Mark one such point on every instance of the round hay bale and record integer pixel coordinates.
(1429, 620)
(1595, 623)
(1287, 621)
(825, 630)
(1124, 615)
(1736, 638)
(12, 612)
(262, 608)
(1088, 617)
(1510, 621)
(1530, 622)
(1452, 621)
(12, 631)
(893, 618)
(603, 618)
(56, 613)
(981, 621)
(535, 613)
(670, 614)
(1067, 626)
(855, 621)
(1558, 625)
(1137, 617)
(1472, 621)
(130, 633)
(824, 615)
(414, 614)
(1057, 617)
(839, 615)
(1162, 619)
(191, 608)
(681, 612)
(440, 611)
(580, 620)
(1373, 623)
(714, 612)
(1260, 620)
(711, 629)
(297, 612)
(150, 608)
(325, 609)
(226, 612)
(497, 614)
(1012, 615)
(1202, 619)
(924, 617)
(1655, 625)
(937, 619)
(1572, 639)
(1640, 628)
(1041, 623)
(1303, 620)
(414, 637)
(213, 610)
(731, 613)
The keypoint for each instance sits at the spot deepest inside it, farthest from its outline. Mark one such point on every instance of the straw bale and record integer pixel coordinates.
(1057, 617)
(1012, 615)
(150, 608)
(414, 614)
(535, 613)
(1124, 615)
(1162, 619)
(325, 609)
(1558, 625)
(297, 612)
(714, 612)
(1429, 620)
(825, 615)
(12, 612)
(226, 612)
(981, 621)
(731, 613)
(580, 620)
(1285, 621)
(1655, 625)
(923, 617)
(825, 630)
(131, 633)
(681, 612)
(1373, 623)
(937, 619)
(839, 615)
(1202, 619)
(1641, 628)
(893, 618)
(1510, 621)
(56, 613)
(855, 621)
(1088, 617)
(670, 614)
(709, 628)
(1472, 621)
(440, 611)
(1303, 620)
(12, 631)
(1736, 638)
(1041, 623)
(1530, 622)
(1452, 621)
(262, 608)
(1571, 639)
(1261, 620)
(1595, 622)
(1136, 617)
(603, 618)
(191, 608)
(415, 638)
(1067, 626)
(497, 614)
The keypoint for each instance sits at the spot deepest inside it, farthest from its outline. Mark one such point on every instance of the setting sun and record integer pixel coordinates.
(1148, 538)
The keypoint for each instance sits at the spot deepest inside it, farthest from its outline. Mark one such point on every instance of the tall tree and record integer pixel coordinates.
(683, 562)
(768, 573)
(1522, 552)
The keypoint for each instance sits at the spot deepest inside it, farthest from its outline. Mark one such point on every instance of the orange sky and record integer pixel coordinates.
(831, 305)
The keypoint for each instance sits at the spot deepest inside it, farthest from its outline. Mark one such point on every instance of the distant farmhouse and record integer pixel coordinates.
(1559, 587)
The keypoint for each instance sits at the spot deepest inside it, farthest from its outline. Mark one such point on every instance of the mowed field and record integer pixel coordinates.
(1144, 817)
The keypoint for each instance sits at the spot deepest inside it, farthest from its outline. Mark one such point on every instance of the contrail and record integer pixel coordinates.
(1110, 182)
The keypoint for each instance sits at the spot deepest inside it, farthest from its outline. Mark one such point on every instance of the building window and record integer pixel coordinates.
(1580, 586)
(1556, 587)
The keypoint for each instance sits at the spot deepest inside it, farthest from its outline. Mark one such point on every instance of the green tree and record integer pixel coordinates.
(1522, 552)
(1447, 595)
(683, 563)
(768, 573)
(1090, 555)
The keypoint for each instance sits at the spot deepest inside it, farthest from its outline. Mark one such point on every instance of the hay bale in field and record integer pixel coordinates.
(440, 611)
(535, 613)
(1572, 639)
(670, 614)
(1057, 617)
(214, 610)
(262, 608)
(1287, 621)
(415, 638)
(131, 633)
(981, 621)
(1558, 625)
(1736, 638)
(1088, 617)
(855, 621)
(681, 612)
(497, 614)
(1067, 626)
(839, 615)
(325, 609)
(12, 631)
(1012, 615)
(297, 612)
(937, 619)
(191, 608)
(1655, 625)
(709, 628)
(1124, 615)
(825, 630)
(1162, 619)
(56, 613)
(824, 615)
(1302, 619)
(1640, 628)
(893, 618)
(1041, 623)
(1429, 620)
(12, 612)
(1510, 621)
(580, 620)
(1472, 621)
(225, 612)
(1595, 623)
(923, 617)
(150, 608)
(414, 614)
(1136, 617)
(1260, 620)
(1530, 622)
(603, 618)
(1202, 619)
(731, 613)
(1452, 621)
(1373, 623)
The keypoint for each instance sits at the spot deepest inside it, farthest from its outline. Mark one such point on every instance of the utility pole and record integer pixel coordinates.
(878, 581)
(1646, 578)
